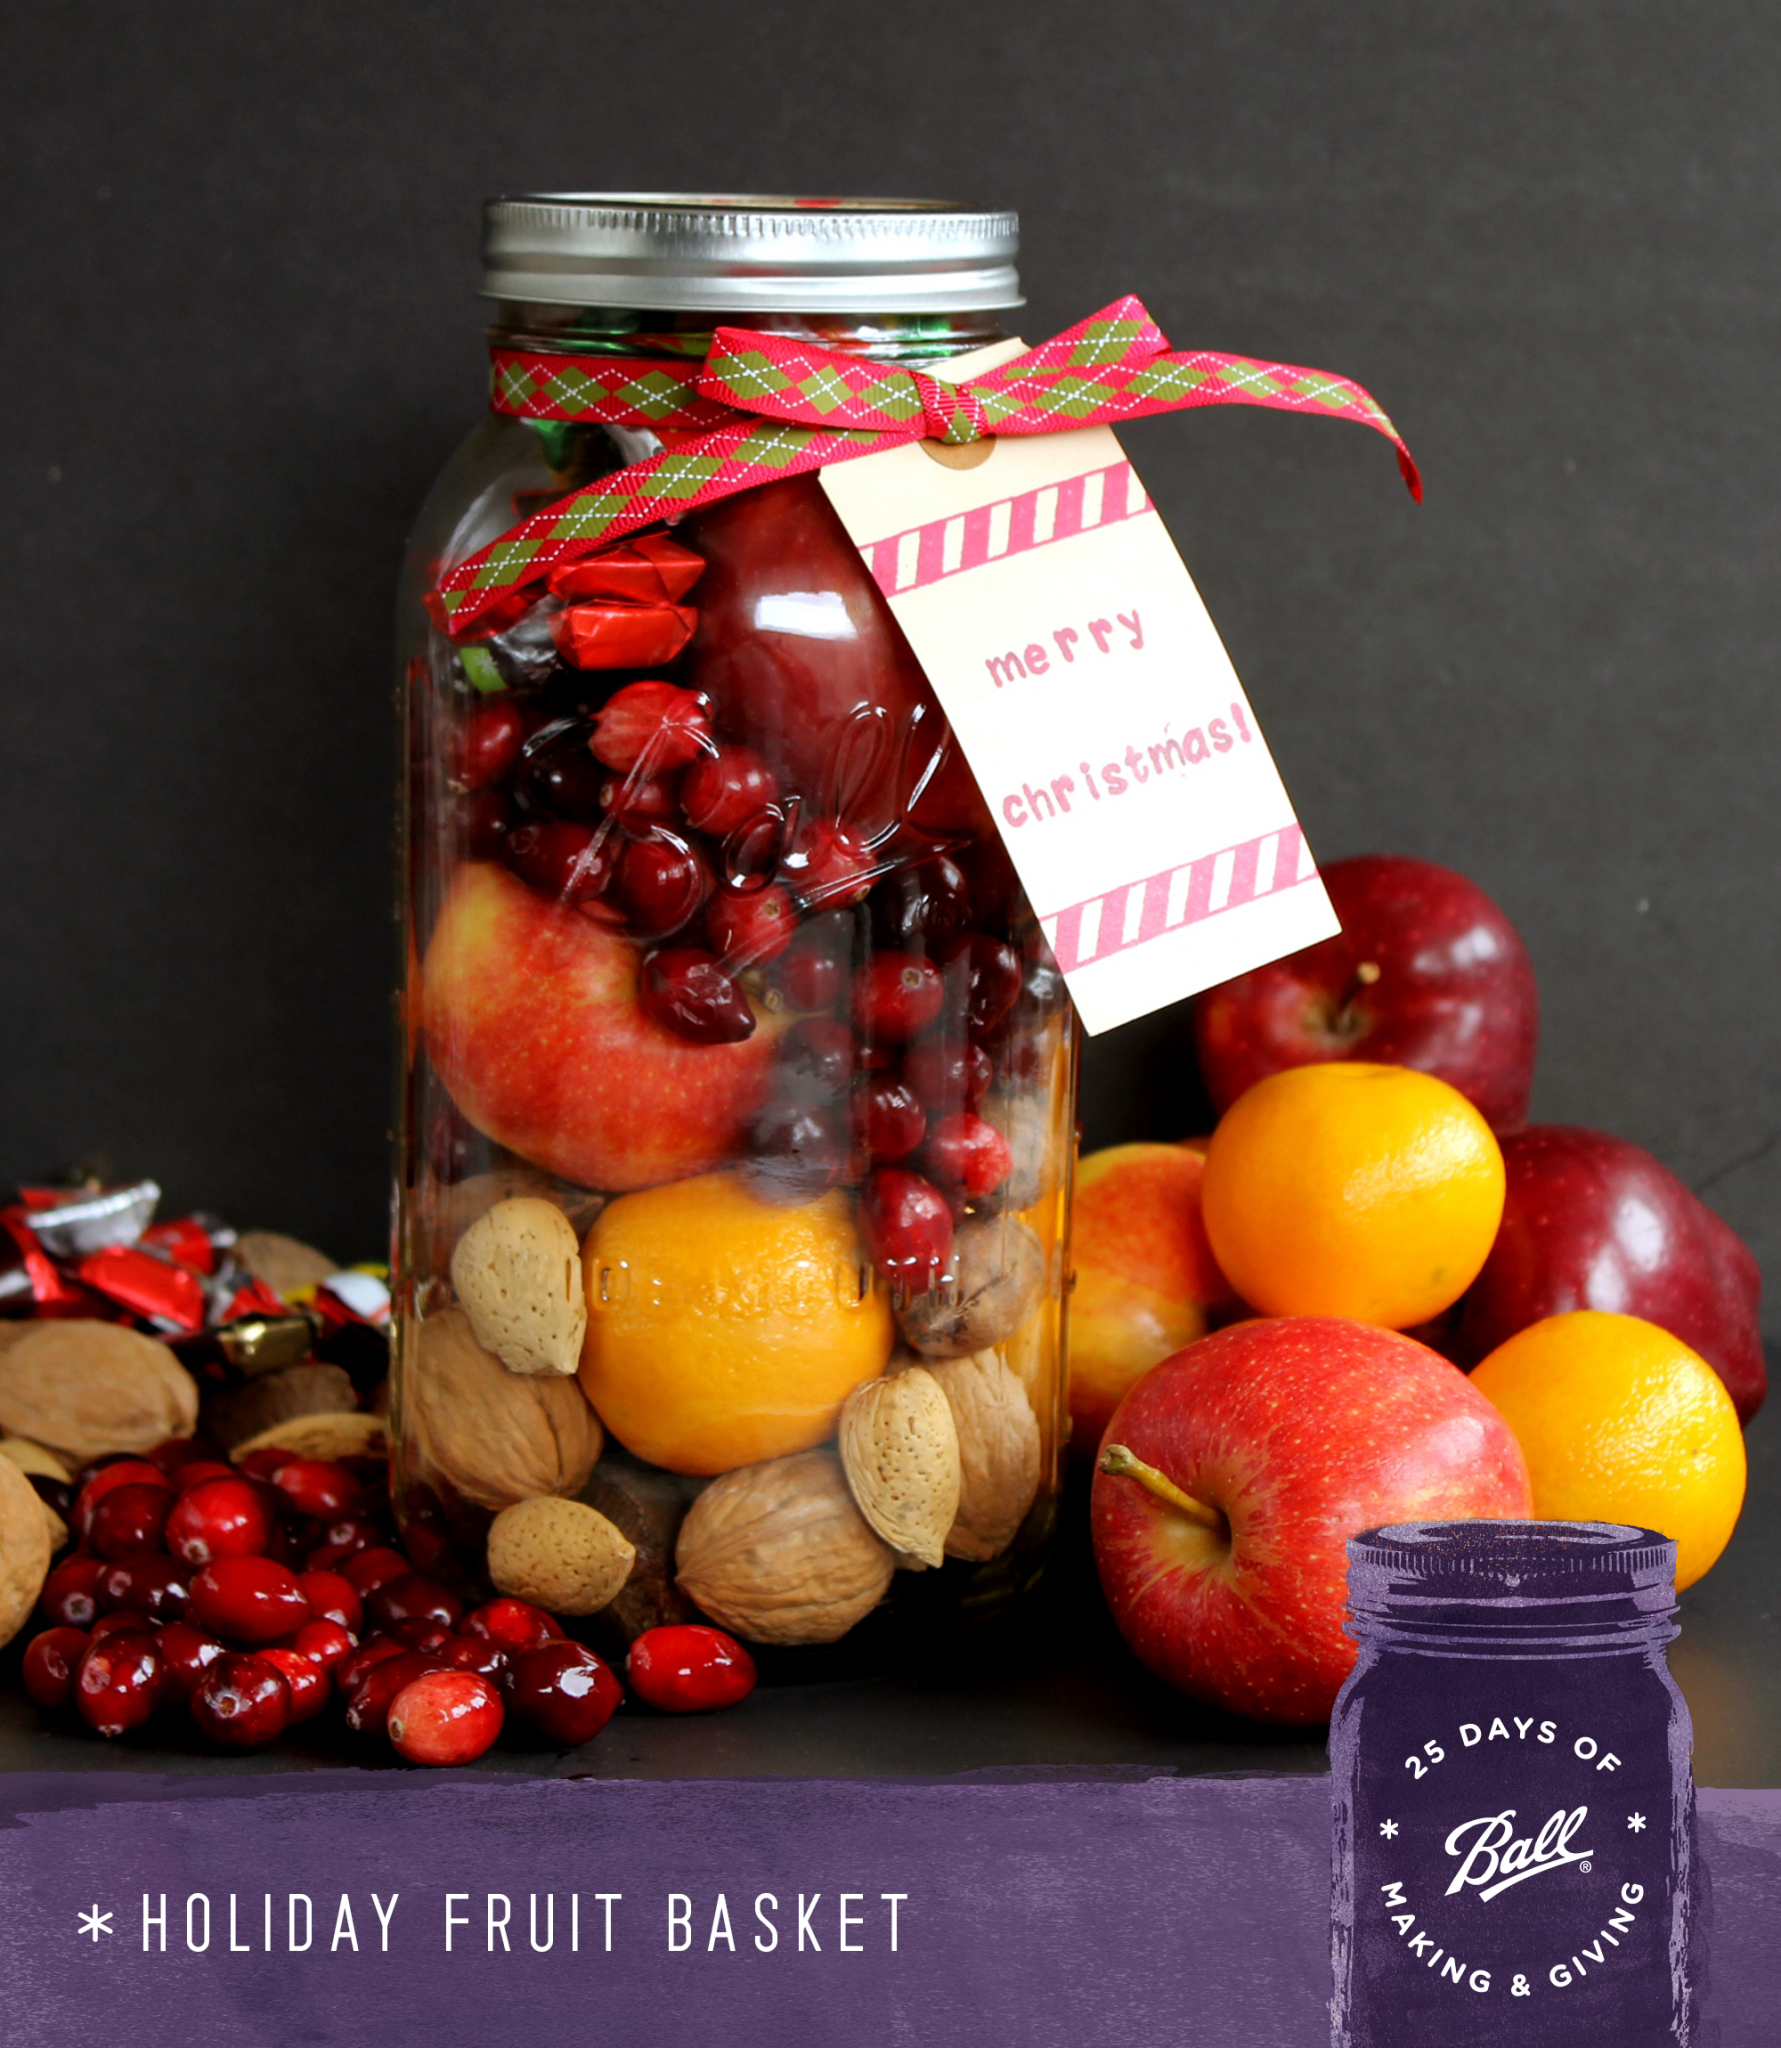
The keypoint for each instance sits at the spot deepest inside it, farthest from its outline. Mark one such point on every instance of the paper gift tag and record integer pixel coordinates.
(1096, 706)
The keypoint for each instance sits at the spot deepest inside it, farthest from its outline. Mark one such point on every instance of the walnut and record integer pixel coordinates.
(233, 1414)
(496, 1436)
(780, 1553)
(1000, 1457)
(84, 1388)
(25, 1541)
(559, 1554)
(517, 1271)
(900, 1451)
(997, 1273)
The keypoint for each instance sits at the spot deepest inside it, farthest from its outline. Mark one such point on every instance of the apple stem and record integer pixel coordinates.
(1365, 974)
(1125, 1464)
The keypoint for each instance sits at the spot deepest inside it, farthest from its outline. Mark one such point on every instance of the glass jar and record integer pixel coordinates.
(1514, 1807)
(737, 1079)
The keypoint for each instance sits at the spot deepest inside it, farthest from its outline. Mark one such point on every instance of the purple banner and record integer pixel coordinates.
(381, 1908)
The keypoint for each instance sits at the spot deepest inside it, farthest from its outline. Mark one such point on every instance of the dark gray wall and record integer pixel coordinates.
(239, 256)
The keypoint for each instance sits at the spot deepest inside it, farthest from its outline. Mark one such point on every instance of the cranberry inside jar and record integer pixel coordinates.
(736, 1072)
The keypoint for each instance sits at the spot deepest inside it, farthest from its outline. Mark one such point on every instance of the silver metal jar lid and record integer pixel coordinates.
(735, 253)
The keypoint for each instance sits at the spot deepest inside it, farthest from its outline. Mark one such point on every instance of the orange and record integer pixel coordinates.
(1347, 1189)
(1621, 1422)
(723, 1329)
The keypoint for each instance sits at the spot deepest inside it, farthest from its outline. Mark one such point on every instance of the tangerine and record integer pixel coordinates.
(1351, 1189)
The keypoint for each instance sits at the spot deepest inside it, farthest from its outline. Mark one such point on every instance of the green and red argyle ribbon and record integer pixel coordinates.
(762, 406)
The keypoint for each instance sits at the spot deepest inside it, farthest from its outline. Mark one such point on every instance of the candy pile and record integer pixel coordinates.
(255, 1596)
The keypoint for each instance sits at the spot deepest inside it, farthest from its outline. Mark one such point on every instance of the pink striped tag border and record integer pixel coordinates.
(1011, 526)
(1139, 911)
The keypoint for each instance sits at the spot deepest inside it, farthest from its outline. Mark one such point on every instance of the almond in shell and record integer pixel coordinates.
(25, 1541)
(779, 1553)
(560, 1554)
(1000, 1454)
(517, 1271)
(83, 1388)
(900, 1451)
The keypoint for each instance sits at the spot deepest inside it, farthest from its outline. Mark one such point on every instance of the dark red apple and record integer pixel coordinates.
(1591, 1221)
(803, 663)
(1286, 1437)
(534, 1021)
(1426, 972)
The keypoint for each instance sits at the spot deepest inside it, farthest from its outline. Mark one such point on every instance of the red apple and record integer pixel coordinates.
(1426, 972)
(533, 1023)
(1288, 1437)
(1591, 1221)
(803, 662)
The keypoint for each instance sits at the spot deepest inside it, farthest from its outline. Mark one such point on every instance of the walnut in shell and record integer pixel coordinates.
(24, 1548)
(1000, 1453)
(517, 1271)
(286, 1264)
(84, 1388)
(495, 1436)
(779, 1552)
(900, 1451)
(997, 1272)
(561, 1555)
(233, 1414)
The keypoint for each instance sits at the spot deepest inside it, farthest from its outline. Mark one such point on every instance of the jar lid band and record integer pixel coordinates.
(1510, 1569)
(737, 253)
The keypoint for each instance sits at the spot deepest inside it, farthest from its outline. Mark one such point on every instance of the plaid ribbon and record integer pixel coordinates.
(761, 406)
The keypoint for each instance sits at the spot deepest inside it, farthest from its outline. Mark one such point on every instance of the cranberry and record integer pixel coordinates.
(186, 1653)
(307, 1682)
(992, 979)
(104, 1480)
(513, 1625)
(639, 801)
(50, 1662)
(572, 863)
(484, 819)
(368, 1704)
(487, 743)
(199, 1470)
(225, 1517)
(242, 1701)
(814, 968)
(686, 990)
(70, 1596)
(830, 867)
(122, 1621)
(723, 790)
(888, 1120)
(366, 1570)
(555, 772)
(291, 1541)
(907, 1226)
(248, 1599)
(265, 1464)
(565, 1691)
(323, 1642)
(346, 1538)
(475, 1653)
(317, 1487)
(130, 1521)
(117, 1683)
(332, 1598)
(353, 1668)
(751, 927)
(898, 995)
(176, 1453)
(662, 883)
(414, 1597)
(794, 1154)
(918, 907)
(965, 1152)
(159, 1587)
(816, 1056)
(947, 1074)
(688, 1669)
(420, 1633)
(447, 1717)
(655, 723)
(54, 1493)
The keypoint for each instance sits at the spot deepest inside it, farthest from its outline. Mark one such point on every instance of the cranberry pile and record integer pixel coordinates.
(254, 1598)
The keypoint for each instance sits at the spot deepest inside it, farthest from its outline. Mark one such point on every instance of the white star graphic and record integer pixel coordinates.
(1388, 1828)
(95, 1923)
(1636, 1821)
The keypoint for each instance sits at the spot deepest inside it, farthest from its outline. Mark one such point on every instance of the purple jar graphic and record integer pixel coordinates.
(1514, 1808)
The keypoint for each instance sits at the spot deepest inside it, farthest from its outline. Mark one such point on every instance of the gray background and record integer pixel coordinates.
(240, 335)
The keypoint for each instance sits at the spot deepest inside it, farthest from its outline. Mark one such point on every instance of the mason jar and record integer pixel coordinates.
(737, 1081)
(1514, 1802)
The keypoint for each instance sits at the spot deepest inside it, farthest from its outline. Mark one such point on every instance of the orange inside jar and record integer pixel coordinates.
(738, 1083)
